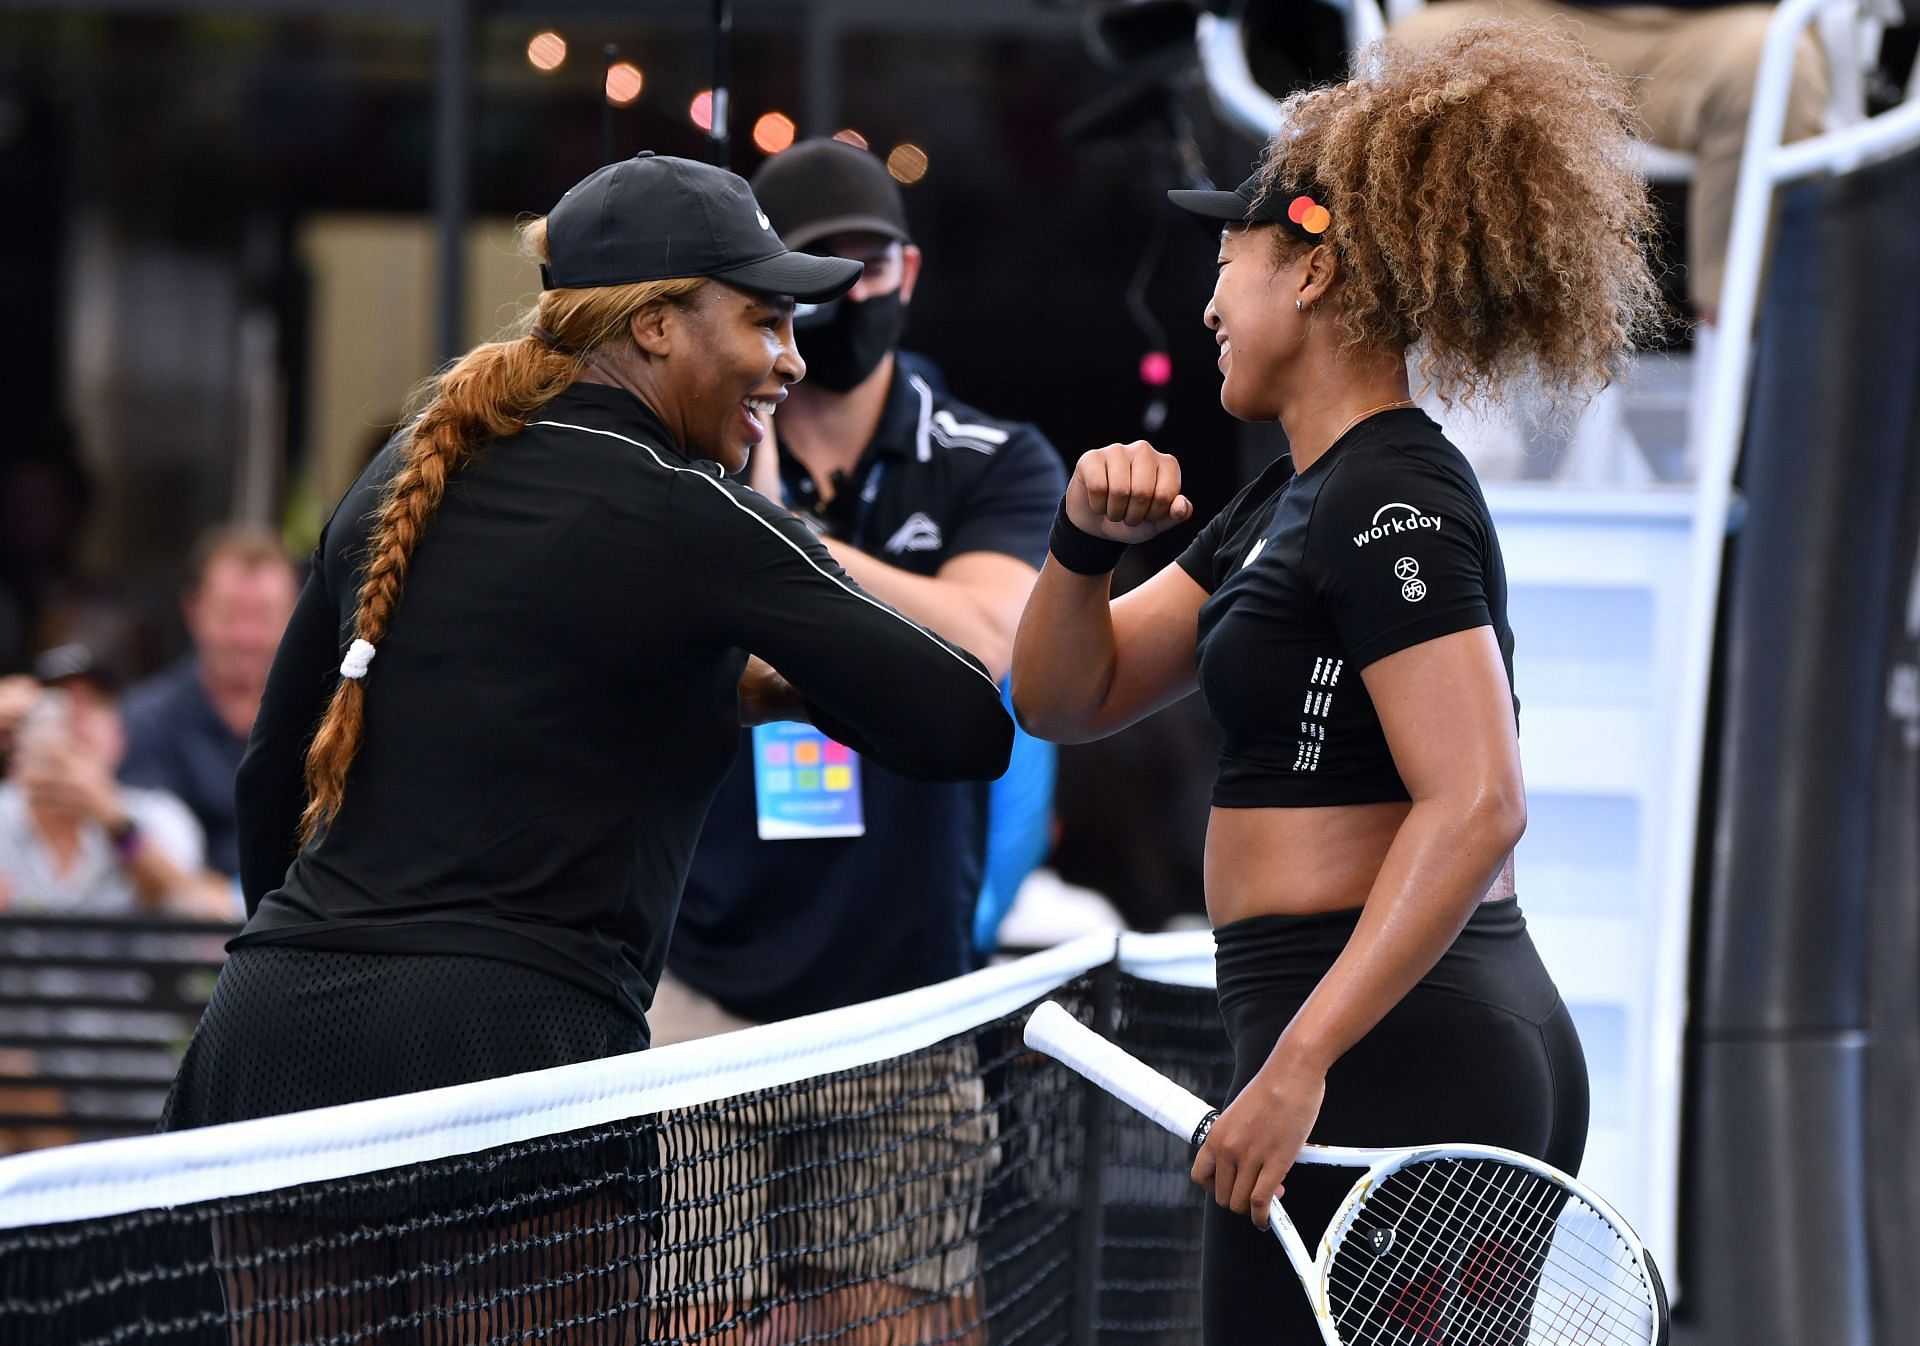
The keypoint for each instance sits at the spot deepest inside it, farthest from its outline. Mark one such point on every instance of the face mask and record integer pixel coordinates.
(844, 350)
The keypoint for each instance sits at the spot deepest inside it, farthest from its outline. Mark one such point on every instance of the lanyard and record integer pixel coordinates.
(863, 507)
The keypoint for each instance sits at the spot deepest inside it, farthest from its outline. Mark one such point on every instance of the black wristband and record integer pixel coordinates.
(1082, 553)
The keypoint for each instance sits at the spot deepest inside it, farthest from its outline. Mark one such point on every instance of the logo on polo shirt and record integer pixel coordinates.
(918, 533)
(1394, 519)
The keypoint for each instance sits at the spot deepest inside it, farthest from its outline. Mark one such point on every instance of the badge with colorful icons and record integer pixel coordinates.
(805, 785)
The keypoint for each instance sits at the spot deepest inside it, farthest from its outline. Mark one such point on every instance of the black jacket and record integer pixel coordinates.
(556, 696)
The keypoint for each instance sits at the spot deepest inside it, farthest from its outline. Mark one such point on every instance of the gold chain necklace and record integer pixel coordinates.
(1384, 406)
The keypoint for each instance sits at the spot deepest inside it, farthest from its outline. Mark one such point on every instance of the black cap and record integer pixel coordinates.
(77, 660)
(821, 187)
(655, 217)
(1243, 205)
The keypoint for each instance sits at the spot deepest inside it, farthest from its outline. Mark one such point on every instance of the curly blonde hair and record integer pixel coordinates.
(1485, 207)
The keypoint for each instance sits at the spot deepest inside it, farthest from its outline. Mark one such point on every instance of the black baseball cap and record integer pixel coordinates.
(77, 659)
(1243, 205)
(655, 217)
(821, 187)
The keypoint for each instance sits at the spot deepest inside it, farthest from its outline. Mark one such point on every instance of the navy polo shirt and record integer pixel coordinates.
(176, 741)
(773, 929)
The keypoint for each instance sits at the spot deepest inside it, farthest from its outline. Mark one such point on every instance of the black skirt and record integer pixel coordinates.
(290, 1029)
(546, 1238)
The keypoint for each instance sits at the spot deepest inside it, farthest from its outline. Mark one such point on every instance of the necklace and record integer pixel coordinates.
(1384, 406)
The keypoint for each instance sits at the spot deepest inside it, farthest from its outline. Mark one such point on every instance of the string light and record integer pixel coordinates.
(907, 163)
(624, 82)
(773, 132)
(546, 51)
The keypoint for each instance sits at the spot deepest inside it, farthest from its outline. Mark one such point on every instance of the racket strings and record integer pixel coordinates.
(1531, 1289)
(1440, 1294)
(1495, 1266)
(1497, 1306)
(1481, 1288)
(1453, 1252)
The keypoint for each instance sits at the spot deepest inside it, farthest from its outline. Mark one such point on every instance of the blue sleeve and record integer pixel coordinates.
(1019, 831)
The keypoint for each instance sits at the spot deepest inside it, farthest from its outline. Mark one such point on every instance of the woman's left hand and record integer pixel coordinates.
(1255, 1141)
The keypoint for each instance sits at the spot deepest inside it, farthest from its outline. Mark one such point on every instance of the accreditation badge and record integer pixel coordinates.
(804, 784)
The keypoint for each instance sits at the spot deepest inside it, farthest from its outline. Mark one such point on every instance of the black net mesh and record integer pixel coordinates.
(972, 1192)
(1148, 1282)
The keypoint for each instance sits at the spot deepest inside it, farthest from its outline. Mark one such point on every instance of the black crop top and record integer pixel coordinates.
(1384, 542)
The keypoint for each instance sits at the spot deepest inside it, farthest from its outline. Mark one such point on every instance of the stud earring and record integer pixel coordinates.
(1299, 307)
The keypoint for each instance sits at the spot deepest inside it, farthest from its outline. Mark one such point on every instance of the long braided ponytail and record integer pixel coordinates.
(489, 393)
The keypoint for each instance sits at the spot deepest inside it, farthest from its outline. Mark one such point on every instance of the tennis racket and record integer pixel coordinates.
(1444, 1245)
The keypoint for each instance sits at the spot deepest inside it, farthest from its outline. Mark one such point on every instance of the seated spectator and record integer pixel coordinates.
(187, 725)
(73, 841)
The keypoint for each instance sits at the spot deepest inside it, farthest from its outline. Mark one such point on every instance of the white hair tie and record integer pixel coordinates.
(359, 656)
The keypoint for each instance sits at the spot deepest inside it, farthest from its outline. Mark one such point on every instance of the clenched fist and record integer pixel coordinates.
(1126, 493)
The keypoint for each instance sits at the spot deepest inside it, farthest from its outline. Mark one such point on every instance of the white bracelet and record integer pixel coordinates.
(359, 656)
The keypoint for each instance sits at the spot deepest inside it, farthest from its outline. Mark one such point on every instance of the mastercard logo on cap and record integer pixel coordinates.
(1309, 214)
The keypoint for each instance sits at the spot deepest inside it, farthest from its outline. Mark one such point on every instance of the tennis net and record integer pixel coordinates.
(898, 1172)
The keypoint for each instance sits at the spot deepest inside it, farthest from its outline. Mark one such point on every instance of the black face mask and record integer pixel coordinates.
(842, 351)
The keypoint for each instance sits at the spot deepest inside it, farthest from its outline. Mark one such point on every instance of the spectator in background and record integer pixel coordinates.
(73, 841)
(936, 509)
(187, 725)
(943, 513)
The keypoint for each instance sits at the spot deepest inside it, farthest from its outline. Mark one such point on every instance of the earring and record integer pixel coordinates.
(1299, 307)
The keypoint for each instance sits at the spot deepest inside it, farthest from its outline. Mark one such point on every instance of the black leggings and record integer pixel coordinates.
(1481, 1050)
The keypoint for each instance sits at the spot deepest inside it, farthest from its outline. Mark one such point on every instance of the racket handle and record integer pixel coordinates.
(1057, 1033)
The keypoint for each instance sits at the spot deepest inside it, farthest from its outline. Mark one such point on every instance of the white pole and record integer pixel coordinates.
(1719, 448)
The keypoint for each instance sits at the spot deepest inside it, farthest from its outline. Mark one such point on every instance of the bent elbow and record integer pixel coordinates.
(979, 747)
(1044, 723)
(999, 749)
(1030, 717)
(974, 740)
(1501, 812)
(1039, 710)
(1490, 814)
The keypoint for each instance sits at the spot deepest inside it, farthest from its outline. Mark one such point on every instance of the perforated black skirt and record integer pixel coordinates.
(290, 1029)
